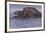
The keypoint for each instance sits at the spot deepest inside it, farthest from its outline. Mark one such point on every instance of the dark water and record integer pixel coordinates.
(25, 23)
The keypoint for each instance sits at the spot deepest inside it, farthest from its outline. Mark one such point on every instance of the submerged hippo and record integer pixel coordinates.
(28, 12)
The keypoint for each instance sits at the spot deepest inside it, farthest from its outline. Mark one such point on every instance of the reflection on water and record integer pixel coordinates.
(25, 23)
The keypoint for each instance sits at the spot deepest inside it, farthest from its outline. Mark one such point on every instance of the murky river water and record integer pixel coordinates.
(25, 23)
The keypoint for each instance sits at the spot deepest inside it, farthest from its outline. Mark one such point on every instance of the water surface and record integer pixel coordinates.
(25, 23)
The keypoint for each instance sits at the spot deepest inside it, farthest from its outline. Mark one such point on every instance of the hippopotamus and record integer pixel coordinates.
(28, 12)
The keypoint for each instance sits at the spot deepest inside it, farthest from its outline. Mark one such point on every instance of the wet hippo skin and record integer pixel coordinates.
(28, 12)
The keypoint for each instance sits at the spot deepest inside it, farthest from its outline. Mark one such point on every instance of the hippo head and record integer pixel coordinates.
(19, 13)
(16, 12)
